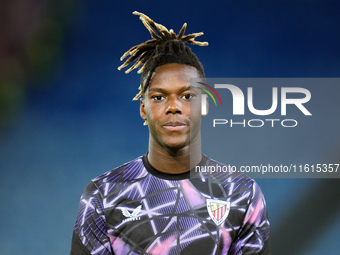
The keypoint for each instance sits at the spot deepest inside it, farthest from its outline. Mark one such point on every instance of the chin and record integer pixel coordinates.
(176, 145)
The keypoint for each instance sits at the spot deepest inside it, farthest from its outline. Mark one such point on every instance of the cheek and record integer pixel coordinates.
(152, 112)
(195, 110)
(196, 114)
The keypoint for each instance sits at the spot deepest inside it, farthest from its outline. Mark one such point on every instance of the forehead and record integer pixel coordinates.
(172, 76)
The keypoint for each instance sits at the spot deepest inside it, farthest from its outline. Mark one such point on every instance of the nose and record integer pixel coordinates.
(174, 106)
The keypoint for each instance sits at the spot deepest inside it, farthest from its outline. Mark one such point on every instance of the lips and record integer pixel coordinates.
(174, 126)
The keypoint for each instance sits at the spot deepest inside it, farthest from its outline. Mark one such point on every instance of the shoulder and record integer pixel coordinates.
(232, 181)
(128, 172)
(224, 172)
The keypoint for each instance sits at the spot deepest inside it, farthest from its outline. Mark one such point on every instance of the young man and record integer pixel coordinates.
(158, 203)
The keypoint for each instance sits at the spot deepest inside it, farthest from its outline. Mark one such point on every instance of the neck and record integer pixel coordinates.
(174, 161)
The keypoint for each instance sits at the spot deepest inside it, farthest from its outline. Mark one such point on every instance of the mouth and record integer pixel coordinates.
(174, 126)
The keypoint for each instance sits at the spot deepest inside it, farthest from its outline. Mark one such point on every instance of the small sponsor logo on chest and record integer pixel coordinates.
(131, 216)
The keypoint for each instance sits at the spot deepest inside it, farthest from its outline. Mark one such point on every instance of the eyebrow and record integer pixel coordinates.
(166, 91)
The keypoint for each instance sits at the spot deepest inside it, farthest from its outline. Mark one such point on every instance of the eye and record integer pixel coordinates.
(188, 96)
(157, 97)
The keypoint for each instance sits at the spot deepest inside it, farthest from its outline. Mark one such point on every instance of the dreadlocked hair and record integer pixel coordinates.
(166, 47)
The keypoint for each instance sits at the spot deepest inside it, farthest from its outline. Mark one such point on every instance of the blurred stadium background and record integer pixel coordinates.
(66, 113)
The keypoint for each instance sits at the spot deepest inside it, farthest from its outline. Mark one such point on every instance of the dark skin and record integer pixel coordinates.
(172, 109)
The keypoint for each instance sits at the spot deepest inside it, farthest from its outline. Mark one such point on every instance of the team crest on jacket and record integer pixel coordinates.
(218, 210)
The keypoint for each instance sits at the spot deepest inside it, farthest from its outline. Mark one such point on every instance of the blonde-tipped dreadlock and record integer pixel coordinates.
(165, 47)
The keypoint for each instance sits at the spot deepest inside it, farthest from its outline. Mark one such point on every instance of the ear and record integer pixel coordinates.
(142, 111)
(204, 105)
